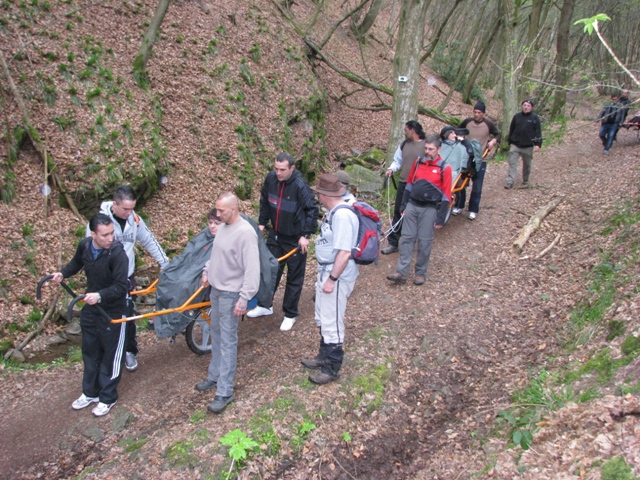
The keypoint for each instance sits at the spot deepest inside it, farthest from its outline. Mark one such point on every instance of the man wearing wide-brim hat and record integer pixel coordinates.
(337, 274)
(345, 180)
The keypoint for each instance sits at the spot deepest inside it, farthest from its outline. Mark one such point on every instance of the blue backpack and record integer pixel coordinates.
(367, 249)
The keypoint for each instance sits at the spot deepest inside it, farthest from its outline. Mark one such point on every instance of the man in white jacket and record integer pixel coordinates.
(130, 228)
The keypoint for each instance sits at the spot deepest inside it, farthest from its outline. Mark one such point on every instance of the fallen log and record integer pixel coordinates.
(534, 223)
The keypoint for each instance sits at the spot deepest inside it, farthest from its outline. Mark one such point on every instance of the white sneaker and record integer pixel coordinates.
(83, 401)
(287, 323)
(102, 409)
(456, 211)
(259, 312)
(472, 216)
(130, 361)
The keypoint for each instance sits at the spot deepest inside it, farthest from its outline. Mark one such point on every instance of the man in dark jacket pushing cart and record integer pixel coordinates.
(103, 343)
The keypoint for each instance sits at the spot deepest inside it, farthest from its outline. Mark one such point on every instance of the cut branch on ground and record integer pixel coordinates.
(534, 224)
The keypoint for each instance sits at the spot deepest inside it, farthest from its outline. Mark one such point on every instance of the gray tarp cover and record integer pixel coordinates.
(181, 278)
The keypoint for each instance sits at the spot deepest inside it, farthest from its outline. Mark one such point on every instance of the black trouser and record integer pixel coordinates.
(132, 341)
(476, 191)
(394, 237)
(103, 355)
(296, 265)
(332, 356)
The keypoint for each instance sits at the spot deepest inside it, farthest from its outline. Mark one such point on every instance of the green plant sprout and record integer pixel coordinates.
(240, 445)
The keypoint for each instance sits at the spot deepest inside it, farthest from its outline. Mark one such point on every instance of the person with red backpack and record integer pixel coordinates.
(337, 274)
(424, 205)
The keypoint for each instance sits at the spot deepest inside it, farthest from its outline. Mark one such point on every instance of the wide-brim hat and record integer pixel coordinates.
(462, 132)
(329, 185)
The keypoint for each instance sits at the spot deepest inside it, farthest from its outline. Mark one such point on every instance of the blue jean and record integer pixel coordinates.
(476, 191)
(224, 340)
(607, 134)
(418, 227)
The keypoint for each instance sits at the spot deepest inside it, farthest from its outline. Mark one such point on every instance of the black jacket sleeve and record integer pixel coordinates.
(537, 139)
(511, 129)
(310, 208)
(76, 263)
(263, 218)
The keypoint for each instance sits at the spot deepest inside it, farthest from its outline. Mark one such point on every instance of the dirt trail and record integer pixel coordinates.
(456, 347)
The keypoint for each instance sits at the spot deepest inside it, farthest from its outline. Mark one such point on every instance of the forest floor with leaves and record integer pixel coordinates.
(427, 370)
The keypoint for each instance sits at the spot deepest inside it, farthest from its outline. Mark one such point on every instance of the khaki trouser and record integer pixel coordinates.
(514, 154)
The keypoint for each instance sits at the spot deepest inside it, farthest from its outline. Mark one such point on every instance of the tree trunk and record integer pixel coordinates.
(434, 43)
(368, 20)
(140, 63)
(487, 44)
(406, 70)
(463, 66)
(562, 57)
(510, 60)
(536, 20)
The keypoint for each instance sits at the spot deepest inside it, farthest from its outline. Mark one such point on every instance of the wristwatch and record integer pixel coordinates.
(331, 277)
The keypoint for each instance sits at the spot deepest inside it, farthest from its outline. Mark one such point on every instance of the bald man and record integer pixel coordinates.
(233, 271)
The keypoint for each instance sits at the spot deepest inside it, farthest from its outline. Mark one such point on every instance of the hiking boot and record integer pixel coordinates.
(472, 216)
(130, 362)
(396, 277)
(321, 378)
(605, 152)
(508, 186)
(389, 249)
(205, 385)
(418, 280)
(83, 401)
(287, 323)
(102, 409)
(220, 403)
(313, 363)
(259, 312)
(456, 211)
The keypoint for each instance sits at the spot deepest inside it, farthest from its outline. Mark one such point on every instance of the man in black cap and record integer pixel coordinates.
(525, 138)
(337, 274)
(488, 135)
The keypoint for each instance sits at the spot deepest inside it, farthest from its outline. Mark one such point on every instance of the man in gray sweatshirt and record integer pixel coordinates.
(233, 271)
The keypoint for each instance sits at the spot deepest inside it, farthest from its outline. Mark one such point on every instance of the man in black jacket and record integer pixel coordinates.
(525, 138)
(288, 203)
(105, 264)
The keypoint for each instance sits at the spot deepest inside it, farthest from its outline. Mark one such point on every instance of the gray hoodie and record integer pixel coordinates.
(134, 229)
